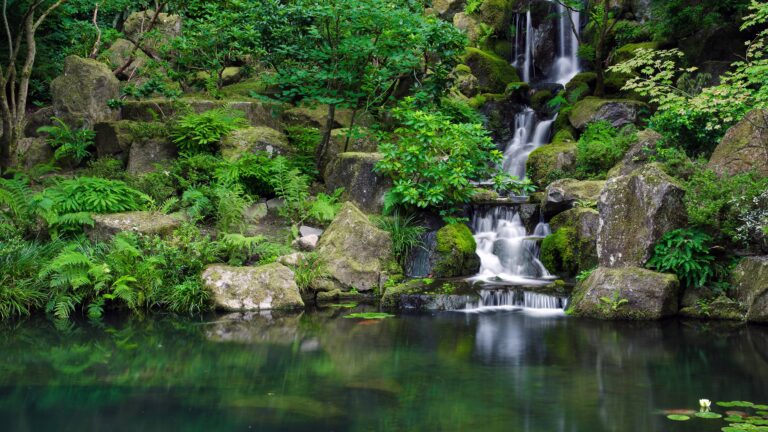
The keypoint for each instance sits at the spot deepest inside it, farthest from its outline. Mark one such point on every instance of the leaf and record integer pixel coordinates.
(678, 417)
(708, 415)
(369, 315)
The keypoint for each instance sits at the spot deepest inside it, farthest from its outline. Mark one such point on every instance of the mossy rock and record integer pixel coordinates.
(254, 140)
(363, 185)
(711, 307)
(744, 147)
(587, 79)
(493, 72)
(540, 98)
(563, 194)
(627, 52)
(618, 112)
(750, 287)
(267, 287)
(455, 253)
(470, 25)
(503, 48)
(573, 246)
(495, 13)
(107, 226)
(245, 89)
(552, 161)
(81, 93)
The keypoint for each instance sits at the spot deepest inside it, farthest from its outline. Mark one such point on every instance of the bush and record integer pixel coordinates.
(601, 147)
(686, 253)
(198, 133)
(67, 142)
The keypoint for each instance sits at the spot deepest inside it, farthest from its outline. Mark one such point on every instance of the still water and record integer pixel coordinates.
(499, 371)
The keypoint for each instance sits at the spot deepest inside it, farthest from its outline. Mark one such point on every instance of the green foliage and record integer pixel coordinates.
(686, 253)
(324, 207)
(677, 19)
(198, 133)
(405, 232)
(433, 160)
(601, 147)
(16, 201)
(309, 267)
(472, 6)
(504, 183)
(613, 303)
(240, 248)
(293, 187)
(67, 142)
(584, 274)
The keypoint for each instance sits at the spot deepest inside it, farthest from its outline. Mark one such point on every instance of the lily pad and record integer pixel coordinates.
(369, 315)
(678, 417)
(736, 404)
(344, 305)
(708, 415)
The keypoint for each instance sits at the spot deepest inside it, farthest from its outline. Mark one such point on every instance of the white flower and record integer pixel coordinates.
(705, 404)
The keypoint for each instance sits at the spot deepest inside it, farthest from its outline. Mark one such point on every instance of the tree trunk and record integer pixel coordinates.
(600, 54)
(350, 131)
(329, 121)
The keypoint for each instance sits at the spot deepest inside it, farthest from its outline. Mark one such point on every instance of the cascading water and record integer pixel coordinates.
(567, 63)
(530, 134)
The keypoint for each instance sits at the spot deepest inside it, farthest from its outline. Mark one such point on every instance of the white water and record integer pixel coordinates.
(567, 63)
(530, 134)
(515, 299)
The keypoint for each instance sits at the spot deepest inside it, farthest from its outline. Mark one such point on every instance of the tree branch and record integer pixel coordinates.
(137, 45)
(97, 44)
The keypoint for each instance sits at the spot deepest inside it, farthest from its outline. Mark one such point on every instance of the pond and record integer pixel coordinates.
(508, 370)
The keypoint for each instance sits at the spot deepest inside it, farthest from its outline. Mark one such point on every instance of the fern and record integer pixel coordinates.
(16, 195)
(231, 208)
(68, 142)
(325, 207)
(292, 187)
(199, 132)
(239, 247)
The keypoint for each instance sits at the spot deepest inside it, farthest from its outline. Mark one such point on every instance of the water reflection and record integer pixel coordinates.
(506, 371)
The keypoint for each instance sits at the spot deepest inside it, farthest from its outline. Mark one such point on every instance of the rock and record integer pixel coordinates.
(362, 185)
(493, 73)
(119, 52)
(750, 287)
(257, 211)
(495, 13)
(744, 147)
(316, 117)
(146, 223)
(447, 9)
(648, 295)
(30, 152)
(266, 114)
(231, 75)
(455, 252)
(562, 194)
(291, 260)
(581, 86)
(361, 140)
(552, 160)
(357, 254)
(167, 26)
(275, 203)
(266, 287)
(636, 210)
(146, 153)
(139, 144)
(618, 112)
(254, 139)
(80, 95)
(704, 303)
(638, 155)
(466, 83)
(308, 230)
(572, 248)
(468, 24)
(38, 119)
(306, 243)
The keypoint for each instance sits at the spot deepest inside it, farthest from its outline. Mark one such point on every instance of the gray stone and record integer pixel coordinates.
(266, 287)
(145, 154)
(562, 194)
(291, 260)
(636, 210)
(744, 147)
(30, 152)
(308, 230)
(275, 203)
(252, 140)
(750, 287)
(638, 155)
(119, 52)
(80, 95)
(356, 140)
(446, 9)
(617, 112)
(362, 185)
(306, 243)
(146, 223)
(167, 26)
(647, 295)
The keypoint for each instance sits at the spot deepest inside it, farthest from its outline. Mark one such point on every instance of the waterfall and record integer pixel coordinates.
(530, 134)
(529, 40)
(494, 299)
(567, 63)
(420, 265)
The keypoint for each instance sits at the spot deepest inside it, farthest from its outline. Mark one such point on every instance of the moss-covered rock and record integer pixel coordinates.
(636, 210)
(466, 83)
(317, 116)
(140, 145)
(572, 247)
(581, 86)
(618, 112)
(627, 52)
(744, 147)
(562, 194)
(348, 140)
(253, 140)
(629, 293)
(639, 153)
(167, 26)
(429, 295)
(540, 98)
(455, 254)
(493, 72)
(468, 24)
(552, 160)
(29, 152)
(146, 223)
(119, 52)
(80, 95)
(258, 113)
(704, 303)
(266, 287)
(447, 9)
(357, 254)
(750, 287)
(495, 13)
(363, 185)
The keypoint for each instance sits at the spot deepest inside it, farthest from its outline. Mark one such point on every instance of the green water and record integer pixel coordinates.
(504, 371)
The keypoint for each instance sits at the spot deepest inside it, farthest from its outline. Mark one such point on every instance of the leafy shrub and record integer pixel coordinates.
(293, 188)
(21, 290)
(508, 184)
(324, 207)
(406, 234)
(308, 268)
(198, 133)
(601, 147)
(686, 253)
(68, 142)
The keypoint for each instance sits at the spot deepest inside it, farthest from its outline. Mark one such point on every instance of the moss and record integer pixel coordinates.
(551, 159)
(495, 13)
(244, 89)
(627, 51)
(455, 252)
(557, 251)
(493, 72)
(540, 98)
(503, 49)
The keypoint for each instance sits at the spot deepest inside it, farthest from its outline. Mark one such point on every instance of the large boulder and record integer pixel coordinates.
(343, 140)
(140, 145)
(30, 152)
(141, 222)
(358, 255)
(552, 160)
(572, 248)
(496, 14)
(455, 252)
(617, 112)
(639, 153)
(744, 147)
(166, 27)
(267, 287)
(147, 152)
(636, 210)
(750, 287)
(563, 194)
(362, 184)
(38, 119)
(493, 72)
(80, 95)
(254, 139)
(629, 293)
(119, 52)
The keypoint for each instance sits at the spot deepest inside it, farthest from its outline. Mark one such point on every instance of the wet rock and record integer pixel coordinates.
(362, 184)
(629, 293)
(146, 223)
(744, 147)
(617, 112)
(356, 252)
(572, 247)
(455, 252)
(638, 155)
(253, 140)
(750, 287)
(266, 287)
(563, 194)
(80, 95)
(636, 210)
(429, 295)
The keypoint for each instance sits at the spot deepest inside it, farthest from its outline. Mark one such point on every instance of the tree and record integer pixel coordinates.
(358, 53)
(15, 74)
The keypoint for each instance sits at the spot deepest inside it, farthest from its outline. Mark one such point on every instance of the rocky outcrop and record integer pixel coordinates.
(354, 140)
(455, 252)
(744, 147)
(750, 287)
(80, 95)
(629, 293)
(265, 114)
(30, 152)
(252, 140)
(357, 254)
(146, 223)
(618, 112)
(639, 153)
(317, 116)
(552, 160)
(572, 248)
(119, 52)
(468, 24)
(166, 26)
(266, 287)
(493, 72)
(562, 194)
(447, 9)
(140, 145)
(636, 210)
(362, 185)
